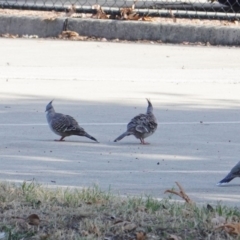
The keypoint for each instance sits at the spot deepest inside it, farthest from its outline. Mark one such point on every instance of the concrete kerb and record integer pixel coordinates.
(123, 30)
(30, 26)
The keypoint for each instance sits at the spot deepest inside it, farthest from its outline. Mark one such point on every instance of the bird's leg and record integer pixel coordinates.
(143, 142)
(60, 140)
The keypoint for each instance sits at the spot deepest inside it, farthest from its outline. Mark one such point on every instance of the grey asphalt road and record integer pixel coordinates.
(194, 91)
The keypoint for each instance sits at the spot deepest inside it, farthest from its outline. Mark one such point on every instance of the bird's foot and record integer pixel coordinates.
(58, 140)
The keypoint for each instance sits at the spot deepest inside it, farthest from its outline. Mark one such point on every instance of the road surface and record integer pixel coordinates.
(194, 91)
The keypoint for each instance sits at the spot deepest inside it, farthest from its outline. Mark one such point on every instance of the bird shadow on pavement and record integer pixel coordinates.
(229, 185)
(66, 141)
(134, 144)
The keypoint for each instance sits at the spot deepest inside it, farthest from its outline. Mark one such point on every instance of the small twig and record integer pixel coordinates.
(134, 3)
(181, 193)
(172, 15)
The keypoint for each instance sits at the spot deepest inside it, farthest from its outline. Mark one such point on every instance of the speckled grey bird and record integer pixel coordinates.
(141, 126)
(64, 125)
(235, 172)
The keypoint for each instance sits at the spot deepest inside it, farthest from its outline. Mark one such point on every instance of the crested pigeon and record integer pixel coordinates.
(64, 125)
(235, 172)
(141, 126)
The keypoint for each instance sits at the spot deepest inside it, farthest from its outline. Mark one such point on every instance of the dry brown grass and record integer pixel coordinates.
(31, 211)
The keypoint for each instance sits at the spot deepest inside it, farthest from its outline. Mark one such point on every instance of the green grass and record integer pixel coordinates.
(91, 213)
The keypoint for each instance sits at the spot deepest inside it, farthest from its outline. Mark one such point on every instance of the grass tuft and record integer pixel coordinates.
(91, 213)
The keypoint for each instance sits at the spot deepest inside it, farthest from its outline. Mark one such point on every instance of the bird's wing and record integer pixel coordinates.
(71, 121)
(143, 123)
(134, 123)
(65, 124)
(141, 129)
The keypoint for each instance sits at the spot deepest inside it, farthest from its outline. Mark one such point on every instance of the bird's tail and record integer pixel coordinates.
(91, 137)
(227, 179)
(122, 136)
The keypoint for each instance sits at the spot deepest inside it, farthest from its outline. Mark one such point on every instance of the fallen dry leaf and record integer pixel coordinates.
(71, 35)
(95, 202)
(125, 226)
(128, 13)
(174, 237)
(84, 233)
(231, 228)
(129, 227)
(71, 10)
(50, 19)
(95, 230)
(125, 12)
(7, 35)
(45, 237)
(100, 14)
(133, 16)
(141, 236)
(181, 193)
(54, 16)
(33, 219)
(147, 19)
